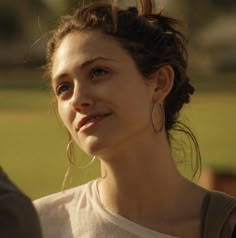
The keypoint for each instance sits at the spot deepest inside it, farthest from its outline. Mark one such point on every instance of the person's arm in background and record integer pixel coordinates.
(18, 217)
(232, 221)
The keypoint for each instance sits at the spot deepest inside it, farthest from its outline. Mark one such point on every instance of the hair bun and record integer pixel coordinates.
(185, 92)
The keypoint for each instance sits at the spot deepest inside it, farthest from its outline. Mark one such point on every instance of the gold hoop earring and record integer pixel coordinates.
(69, 152)
(161, 122)
(70, 156)
(88, 164)
(65, 179)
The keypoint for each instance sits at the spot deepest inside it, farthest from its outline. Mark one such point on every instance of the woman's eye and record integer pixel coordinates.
(62, 88)
(98, 72)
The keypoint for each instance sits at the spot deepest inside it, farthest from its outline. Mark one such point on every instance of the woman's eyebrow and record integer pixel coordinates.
(91, 61)
(83, 65)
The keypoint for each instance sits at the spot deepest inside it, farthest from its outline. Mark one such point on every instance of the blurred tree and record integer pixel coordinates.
(198, 14)
(225, 4)
(16, 20)
(21, 24)
(201, 13)
(9, 23)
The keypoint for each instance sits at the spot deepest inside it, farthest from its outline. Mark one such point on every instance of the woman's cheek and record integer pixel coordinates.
(66, 114)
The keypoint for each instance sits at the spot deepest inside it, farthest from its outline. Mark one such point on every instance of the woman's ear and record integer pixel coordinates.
(163, 81)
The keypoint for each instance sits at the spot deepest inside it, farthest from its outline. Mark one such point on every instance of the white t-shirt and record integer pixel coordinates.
(78, 213)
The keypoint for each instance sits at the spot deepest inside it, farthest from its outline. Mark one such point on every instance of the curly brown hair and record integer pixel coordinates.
(151, 39)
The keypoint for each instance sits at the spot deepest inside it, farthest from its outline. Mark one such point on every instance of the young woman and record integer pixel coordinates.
(120, 81)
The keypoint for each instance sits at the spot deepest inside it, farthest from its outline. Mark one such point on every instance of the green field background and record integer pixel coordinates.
(33, 143)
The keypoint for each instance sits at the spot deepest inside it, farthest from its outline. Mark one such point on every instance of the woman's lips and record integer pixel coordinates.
(91, 120)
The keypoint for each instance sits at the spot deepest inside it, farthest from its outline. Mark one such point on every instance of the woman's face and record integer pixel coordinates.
(102, 98)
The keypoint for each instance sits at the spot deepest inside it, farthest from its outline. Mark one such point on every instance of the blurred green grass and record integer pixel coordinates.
(33, 142)
(33, 152)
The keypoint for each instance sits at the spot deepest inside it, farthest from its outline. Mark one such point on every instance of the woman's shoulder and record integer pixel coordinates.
(58, 210)
(61, 200)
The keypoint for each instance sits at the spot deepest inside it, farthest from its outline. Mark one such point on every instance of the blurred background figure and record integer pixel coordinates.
(33, 149)
(18, 217)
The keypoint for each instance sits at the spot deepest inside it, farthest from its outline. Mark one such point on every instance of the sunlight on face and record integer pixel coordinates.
(102, 98)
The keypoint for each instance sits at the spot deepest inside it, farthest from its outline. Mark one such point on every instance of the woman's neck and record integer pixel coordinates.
(137, 180)
(143, 185)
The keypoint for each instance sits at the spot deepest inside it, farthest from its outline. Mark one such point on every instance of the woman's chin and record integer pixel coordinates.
(100, 147)
(93, 146)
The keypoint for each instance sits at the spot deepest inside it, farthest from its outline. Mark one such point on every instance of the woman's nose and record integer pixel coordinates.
(81, 100)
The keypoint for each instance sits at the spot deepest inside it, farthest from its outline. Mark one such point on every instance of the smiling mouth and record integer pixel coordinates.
(90, 122)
